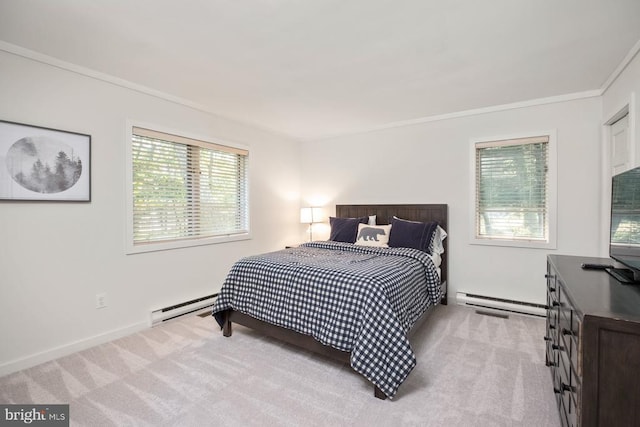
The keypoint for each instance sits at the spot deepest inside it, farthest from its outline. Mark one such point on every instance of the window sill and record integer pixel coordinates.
(528, 244)
(186, 243)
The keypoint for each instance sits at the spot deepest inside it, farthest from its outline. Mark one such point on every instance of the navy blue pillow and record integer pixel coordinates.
(411, 234)
(345, 229)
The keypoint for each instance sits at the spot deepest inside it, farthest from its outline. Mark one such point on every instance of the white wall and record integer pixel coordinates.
(429, 163)
(55, 257)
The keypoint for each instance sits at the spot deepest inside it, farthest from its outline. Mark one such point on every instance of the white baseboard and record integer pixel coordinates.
(64, 350)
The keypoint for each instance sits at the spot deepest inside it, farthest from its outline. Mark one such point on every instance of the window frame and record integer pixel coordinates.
(131, 246)
(551, 241)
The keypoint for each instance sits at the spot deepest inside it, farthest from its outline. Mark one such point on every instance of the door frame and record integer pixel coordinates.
(628, 108)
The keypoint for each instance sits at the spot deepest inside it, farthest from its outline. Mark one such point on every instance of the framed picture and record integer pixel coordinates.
(38, 163)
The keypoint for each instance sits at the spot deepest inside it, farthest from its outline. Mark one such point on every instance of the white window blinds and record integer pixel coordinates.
(186, 189)
(512, 188)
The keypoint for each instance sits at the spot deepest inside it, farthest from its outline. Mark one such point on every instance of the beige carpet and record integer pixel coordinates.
(473, 370)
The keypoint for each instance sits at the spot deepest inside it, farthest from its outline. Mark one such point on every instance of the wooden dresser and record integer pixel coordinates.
(592, 344)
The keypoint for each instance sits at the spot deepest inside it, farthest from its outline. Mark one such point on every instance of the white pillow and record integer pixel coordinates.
(438, 237)
(372, 219)
(373, 235)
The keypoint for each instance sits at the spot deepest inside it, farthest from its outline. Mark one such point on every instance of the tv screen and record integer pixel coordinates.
(624, 245)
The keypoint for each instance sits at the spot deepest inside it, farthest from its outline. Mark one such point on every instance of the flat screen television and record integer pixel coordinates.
(624, 245)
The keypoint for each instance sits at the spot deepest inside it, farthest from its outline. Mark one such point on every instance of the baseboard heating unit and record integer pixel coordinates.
(473, 300)
(171, 312)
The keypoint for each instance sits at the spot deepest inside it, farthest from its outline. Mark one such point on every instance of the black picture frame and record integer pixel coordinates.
(44, 164)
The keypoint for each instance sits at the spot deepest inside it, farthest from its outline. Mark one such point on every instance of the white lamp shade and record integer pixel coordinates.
(311, 215)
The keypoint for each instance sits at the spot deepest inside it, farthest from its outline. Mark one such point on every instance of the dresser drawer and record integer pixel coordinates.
(568, 390)
(564, 419)
(572, 399)
(576, 349)
(569, 339)
(571, 411)
(552, 324)
(557, 383)
(563, 397)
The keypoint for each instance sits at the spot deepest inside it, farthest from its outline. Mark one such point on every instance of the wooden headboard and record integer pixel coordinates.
(423, 213)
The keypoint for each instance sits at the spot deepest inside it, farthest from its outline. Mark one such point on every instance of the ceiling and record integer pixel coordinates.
(316, 68)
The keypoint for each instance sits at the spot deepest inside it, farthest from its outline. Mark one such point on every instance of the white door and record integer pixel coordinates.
(620, 146)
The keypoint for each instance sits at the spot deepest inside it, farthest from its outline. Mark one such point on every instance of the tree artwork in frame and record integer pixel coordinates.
(43, 164)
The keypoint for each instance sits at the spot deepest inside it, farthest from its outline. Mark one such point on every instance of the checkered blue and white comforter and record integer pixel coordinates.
(354, 298)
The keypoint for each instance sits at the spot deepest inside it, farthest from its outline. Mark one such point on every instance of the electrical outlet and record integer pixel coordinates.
(101, 300)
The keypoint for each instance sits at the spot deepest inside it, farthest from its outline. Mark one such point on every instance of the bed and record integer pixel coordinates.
(377, 296)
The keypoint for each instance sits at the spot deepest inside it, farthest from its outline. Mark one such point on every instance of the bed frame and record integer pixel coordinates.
(384, 214)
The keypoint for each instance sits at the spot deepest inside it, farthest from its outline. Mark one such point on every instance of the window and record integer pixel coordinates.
(185, 191)
(514, 192)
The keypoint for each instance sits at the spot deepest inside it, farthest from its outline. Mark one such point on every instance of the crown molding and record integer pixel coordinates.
(467, 113)
(107, 78)
(621, 67)
(88, 72)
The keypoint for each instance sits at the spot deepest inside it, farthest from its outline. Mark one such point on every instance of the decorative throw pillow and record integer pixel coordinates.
(411, 234)
(345, 229)
(373, 235)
